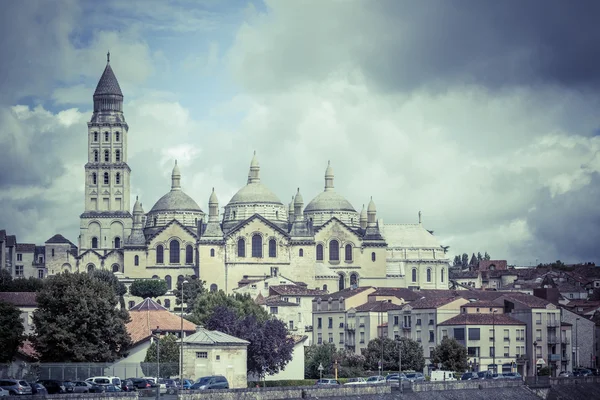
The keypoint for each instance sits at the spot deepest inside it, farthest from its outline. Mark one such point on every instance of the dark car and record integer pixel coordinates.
(15, 386)
(468, 376)
(211, 382)
(69, 386)
(127, 385)
(37, 389)
(485, 375)
(53, 386)
(107, 388)
(140, 383)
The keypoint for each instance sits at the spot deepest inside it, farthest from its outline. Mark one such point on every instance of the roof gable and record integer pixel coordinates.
(259, 217)
(148, 316)
(153, 236)
(59, 239)
(334, 222)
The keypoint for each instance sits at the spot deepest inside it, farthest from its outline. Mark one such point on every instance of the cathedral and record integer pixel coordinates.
(325, 244)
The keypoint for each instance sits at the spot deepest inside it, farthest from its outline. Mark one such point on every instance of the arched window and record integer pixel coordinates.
(117, 155)
(373, 257)
(160, 254)
(94, 243)
(106, 178)
(341, 282)
(95, 134)
(189, 254)
(136, 260)
(180, 279)
(94, 178)
(319, 252)
(348, 255)
(116, 268)
(325, 287)
(117, 243)
(272, 248)
(442, 275)
(90, 267)
(118, 178)
(301, 253)
(241, 247)
(213, 288)
(106, 136)
(256, 245)
(174, 252)
(169, 283)
(334, 250)
(353, 280)
(106, 156)
(117, 136)
(154, 276)
(428, 274)
(167, 303)
(212, 252)
(414, 275)
(95, 155)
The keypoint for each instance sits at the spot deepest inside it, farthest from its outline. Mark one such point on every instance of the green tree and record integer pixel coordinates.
(412, 354)
(451, 354)
(191, 291)
(111, 279)
(457, 261)
(243, 305)
(8, 284)
(77, 320)
(169, 357)
(465, 259)
(486, 256)
(479, 256)
(319, 354)
(145, 288)
(11, 331)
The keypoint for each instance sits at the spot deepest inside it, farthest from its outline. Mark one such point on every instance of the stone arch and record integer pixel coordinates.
(66, 267)
(90, 267)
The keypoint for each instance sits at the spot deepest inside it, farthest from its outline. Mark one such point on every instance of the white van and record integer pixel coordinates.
(442, 376)
(105, 380)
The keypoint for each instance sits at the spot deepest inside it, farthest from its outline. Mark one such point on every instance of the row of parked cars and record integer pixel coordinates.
(103, 384)
(376, 379)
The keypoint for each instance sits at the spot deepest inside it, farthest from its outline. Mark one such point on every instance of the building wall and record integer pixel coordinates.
(229, 361)
(293, 370)
(58, 258)
(584, 333)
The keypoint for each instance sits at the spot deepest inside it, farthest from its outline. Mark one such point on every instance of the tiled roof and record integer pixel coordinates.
(528, 300)
(260, 300)
(481, 304)
(377, 306)
(60, 239)
(295, 290)
(400, 293)
(463, 275)
(277, 301)
(28, 350)
(108, 83)
(22, 299)
(11, 240)
(298, 338)
(148, 315)
(214, 338)
(482, 319)
(484, 265)
(409, 235)
(26, 247)
(40, 250)
(346, 293)
(432, 302)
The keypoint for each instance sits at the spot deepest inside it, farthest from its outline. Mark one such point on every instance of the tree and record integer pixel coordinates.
(479, 256)
(145, 288)
(191, 291)
(486, 256)
(270, 347)
(319, 354)
(111, 279)
(8, 284)
(243, 305)
(11, 331)
(451, 354)
(465, 259)
(169, 357)
(77, 321)
(412, 354)
(457, 261)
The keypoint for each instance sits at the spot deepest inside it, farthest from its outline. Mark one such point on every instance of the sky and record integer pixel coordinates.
(482, 115)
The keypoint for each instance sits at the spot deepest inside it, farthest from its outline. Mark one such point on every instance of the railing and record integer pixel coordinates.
(552, 340)
(350, 327)
(553, 323)
(507, 339)
(361, 325)
(308, 328)
(565, 340)
(406, 327)
(566, 359)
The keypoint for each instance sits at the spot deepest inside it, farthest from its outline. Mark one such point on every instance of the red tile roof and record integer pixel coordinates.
(433, 302)
(295, 290)
(26, 247)
(277, 301)
(19, 299)
(400, 293)
(148, 315)
(482, 319)
(378, 306)
(346, 293)
(484, 265)
(482, 304)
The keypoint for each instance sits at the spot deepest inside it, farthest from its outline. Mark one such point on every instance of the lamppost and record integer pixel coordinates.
(156, 335)
(576, 343)
(535, 360)
(381, 336)
(400, 364)
(494, 339)
(181, 339)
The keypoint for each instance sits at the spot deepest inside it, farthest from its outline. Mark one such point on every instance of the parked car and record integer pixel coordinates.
(4, 393)
(356, 381)
(69, 386)
(415, 376)
(53, 386)
(582, 372)
(37, 389)
(154, 383)
(79, 387)
(375, 379)
(394, 379)
(565, 374)
(498, 376)
(212, 382)
(15, 386)
(104, 380)
(484, 375)
(104, 388)
(440, 375)
(127, 385)
(170, 384)
(327, 382)
(140, 383)
(468, 376)
(512, 375)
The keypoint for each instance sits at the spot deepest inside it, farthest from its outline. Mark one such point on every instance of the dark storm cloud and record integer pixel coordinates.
(492, 43)
(567, 224)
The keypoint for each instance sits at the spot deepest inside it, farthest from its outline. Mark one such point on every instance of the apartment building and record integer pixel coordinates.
(583, 353)
(366, 322)
(493, 341)
(329, 315)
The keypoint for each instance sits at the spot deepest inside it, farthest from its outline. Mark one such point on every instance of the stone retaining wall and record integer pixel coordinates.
(459, 385)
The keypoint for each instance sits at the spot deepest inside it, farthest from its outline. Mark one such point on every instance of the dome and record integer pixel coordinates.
(254, 192)
(175, 200)
(329, 201)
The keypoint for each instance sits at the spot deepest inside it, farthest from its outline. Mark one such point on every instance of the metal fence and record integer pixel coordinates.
(81, 371)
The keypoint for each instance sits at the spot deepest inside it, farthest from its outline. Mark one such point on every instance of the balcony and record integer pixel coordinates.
(350, 327)
(361, 325)
(553, 323)
(565, 341)
(308, 328)
(507, 339)
(552, 340)
(565, 359)
(554, 357)
(406, 327)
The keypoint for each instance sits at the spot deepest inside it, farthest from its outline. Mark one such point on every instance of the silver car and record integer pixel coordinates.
(82, 387)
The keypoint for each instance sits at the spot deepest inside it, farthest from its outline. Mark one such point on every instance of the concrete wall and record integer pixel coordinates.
(460, 385)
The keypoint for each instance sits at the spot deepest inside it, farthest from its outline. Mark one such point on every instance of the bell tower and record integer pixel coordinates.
(106, 221)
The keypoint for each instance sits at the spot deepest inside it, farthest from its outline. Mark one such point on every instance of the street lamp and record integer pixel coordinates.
(181, 338)
(494, 339)
(156, 335)
(576, 343)
(535, 360)
(381, 336)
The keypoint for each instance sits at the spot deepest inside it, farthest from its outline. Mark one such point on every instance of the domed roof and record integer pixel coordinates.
(329, 201)
(176, 200)
(254, 192)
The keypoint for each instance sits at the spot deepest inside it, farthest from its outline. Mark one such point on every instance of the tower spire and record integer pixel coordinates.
(253, 176)
(328, 177)
(108, 57)
(176, 178)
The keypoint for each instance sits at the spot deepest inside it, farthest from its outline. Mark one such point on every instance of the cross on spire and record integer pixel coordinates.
(108, 57)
